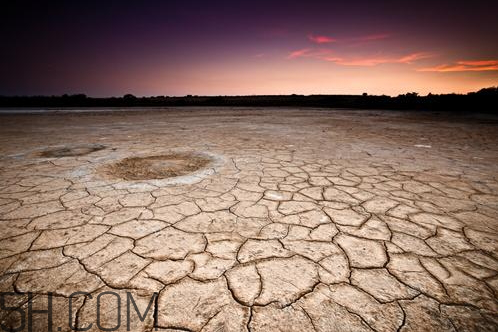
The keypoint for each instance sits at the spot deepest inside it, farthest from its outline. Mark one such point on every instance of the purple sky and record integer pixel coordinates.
(248, 47)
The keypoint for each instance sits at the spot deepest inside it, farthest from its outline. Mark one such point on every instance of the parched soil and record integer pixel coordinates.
(308, 220)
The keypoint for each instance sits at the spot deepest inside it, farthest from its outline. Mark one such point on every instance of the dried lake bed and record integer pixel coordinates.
(251, 219)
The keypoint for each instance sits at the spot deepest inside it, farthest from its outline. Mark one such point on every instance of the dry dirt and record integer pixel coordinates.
(302, 220)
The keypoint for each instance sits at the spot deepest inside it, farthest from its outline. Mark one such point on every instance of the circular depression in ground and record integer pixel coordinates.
(159, 166)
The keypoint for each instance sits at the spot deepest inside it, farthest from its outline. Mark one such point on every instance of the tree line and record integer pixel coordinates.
(484, 100)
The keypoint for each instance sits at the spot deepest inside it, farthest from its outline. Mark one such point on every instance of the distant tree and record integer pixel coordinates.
(129, 96)
(488, 91)
(408, 95)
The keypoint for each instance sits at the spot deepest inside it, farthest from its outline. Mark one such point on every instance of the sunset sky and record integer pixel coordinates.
(171, 48)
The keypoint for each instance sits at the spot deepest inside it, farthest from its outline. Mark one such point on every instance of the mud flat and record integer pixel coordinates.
(251, 219)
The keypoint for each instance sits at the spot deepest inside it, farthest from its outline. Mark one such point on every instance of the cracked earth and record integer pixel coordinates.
(304, 220)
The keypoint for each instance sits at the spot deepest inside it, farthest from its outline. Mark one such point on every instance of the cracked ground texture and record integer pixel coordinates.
(320, 220)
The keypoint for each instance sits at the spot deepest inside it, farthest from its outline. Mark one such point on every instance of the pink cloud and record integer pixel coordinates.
(309, 53)
(318, 39)
(464, 66)
(408, 59)
(298, 53)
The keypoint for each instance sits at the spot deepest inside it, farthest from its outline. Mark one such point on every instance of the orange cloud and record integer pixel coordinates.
(464, 66)
(328, 55)
(408, 59)
(321, 39)
(479, 62)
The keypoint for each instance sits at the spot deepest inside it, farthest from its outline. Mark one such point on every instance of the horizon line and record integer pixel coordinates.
(131, 95)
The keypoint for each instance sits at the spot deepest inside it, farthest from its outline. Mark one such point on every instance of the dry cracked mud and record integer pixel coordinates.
(309, 220)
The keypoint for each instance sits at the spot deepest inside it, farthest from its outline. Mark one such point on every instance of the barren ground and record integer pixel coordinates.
(301, 219)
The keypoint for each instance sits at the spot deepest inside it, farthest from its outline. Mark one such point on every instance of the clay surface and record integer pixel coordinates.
(252, 219)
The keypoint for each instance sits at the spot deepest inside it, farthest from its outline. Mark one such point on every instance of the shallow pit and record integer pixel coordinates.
(158, 166)
(67, 151)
